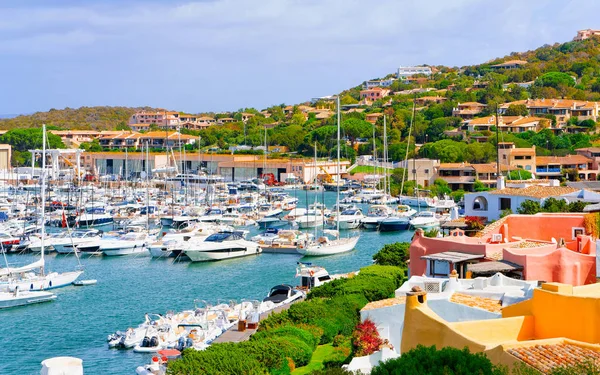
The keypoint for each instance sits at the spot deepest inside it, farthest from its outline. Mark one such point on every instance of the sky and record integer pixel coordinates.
(219, 55)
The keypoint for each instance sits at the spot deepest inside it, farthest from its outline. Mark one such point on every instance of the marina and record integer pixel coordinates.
(78, 321)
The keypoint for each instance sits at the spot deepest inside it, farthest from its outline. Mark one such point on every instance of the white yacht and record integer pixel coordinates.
(375, 215)
(18, 298)
(349, 219)
(425, 220)
(68, 244)
(325, 246)
(127, 244)
(222, 245)
(93, 217)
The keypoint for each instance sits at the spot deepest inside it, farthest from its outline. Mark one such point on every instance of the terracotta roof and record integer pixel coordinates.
(378, 114)
(562, 160)
(545, 358)
(554, 103)
(454, 165)
(522, 151)
(471, 104)
(536, 191)
(491, 168)
(527, 120)
(590, 149)
(510, 62)
(384, 303)
(488, 304)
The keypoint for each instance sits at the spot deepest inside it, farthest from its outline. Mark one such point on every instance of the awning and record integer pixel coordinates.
(453, 256)
(485, 268)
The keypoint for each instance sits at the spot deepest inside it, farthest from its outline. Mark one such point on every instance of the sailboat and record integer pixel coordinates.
(23, 278)
(324, 246)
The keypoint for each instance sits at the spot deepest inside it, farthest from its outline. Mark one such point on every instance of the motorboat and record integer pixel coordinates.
(394, 224)
(271, 222)
(281, 241)
(311, 276)
(349, 219)
(135, 242)
(325, 246)
(267, 210)
(416, 201)
(222, 245)
(94, 216)
(68, 244)
(18, 298)
(173, 242)
(425, 220)
(375, 215)
(235, 219)
(284, 294)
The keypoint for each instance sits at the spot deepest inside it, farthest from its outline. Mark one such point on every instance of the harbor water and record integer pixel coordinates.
(79, 320)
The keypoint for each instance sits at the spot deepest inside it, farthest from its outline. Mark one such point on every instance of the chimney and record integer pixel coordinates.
(453, 284)
(415, 297)
(500, 183)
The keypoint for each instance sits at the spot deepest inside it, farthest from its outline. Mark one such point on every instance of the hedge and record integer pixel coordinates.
(288, 330)
(218, 359)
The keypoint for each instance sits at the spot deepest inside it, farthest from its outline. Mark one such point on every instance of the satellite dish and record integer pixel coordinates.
(143, 174)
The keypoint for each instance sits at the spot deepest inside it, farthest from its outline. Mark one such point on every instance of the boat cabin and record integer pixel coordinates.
(311, 276)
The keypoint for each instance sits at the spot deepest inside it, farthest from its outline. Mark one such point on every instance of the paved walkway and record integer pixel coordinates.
(233, 335)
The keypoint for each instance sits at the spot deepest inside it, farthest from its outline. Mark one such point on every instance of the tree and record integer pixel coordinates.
(555, 205)
(479, 186)
(520, 174)
(395, 254)
(529, 207)
(355, 128)
(556, 80)
(517, 110)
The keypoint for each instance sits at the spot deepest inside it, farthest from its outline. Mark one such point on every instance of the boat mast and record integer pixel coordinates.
(385, 176)
(43, 194)
(147, 192)
(338, 168)
(317, 193)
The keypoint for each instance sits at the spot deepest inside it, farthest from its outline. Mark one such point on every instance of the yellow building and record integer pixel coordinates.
(5, 155)
(559, 326)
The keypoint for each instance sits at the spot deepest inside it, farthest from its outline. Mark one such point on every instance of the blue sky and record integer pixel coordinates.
(218, 55)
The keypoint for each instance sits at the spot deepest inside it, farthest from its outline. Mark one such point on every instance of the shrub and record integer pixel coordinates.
(395, 273)
(287, 330)
(294, 348)
(475, 223)
(395, 254)
(341, 356)
(217, 359)
(268, 352)
(428, 360)
(274, 320)
(365, 338)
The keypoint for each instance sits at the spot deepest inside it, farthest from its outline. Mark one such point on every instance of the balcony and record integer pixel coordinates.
(548, 170)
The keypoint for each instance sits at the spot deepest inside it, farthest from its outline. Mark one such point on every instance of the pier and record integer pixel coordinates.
(233, 335)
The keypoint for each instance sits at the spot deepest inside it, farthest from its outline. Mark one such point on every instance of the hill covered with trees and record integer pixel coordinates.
(84, 118)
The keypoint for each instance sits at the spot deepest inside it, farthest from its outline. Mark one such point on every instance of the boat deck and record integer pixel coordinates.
(233, 335)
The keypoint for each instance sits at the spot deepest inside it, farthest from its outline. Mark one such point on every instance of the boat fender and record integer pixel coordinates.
(189, 343)
(145, 342)
(154, 341)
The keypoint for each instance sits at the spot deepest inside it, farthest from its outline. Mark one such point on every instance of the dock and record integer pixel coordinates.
(233, 335)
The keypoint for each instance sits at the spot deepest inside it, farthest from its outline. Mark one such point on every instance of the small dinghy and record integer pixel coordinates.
(84, 282)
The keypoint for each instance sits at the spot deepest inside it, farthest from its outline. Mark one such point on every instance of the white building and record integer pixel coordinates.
(490, 204)
(407, 71)
(378, 83)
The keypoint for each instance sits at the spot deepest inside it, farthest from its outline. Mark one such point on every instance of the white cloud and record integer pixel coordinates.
(254, 52)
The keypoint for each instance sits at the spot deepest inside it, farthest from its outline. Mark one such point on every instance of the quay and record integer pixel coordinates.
(234, 335)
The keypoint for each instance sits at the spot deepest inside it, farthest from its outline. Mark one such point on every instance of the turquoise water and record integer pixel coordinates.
(78, 321)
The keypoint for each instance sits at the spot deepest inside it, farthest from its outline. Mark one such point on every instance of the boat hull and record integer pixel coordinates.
(128, 250)
(221, 254)
(334, 247)
(27, 298)
(50, 281)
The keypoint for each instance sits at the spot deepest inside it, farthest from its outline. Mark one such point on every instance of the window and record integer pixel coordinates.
(505, 204)
(528, 167)
(577, 231)
(504, 156)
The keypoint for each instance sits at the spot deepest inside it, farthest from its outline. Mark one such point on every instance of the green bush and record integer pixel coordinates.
(373, 282)
(268, 352)
(447, 361)
(294, 348)
(218, 359)
(287, 330)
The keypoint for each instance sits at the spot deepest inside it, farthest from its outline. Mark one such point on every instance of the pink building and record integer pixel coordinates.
(374, 93)
(586, 34)
(548, 247)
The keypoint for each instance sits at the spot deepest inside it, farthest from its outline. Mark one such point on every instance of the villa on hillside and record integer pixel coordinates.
(468, 110)
(513, 124)
(375, 93)
(555, 167)
(586, 34)
(562, 109)
(135, 140)
(511, 64)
